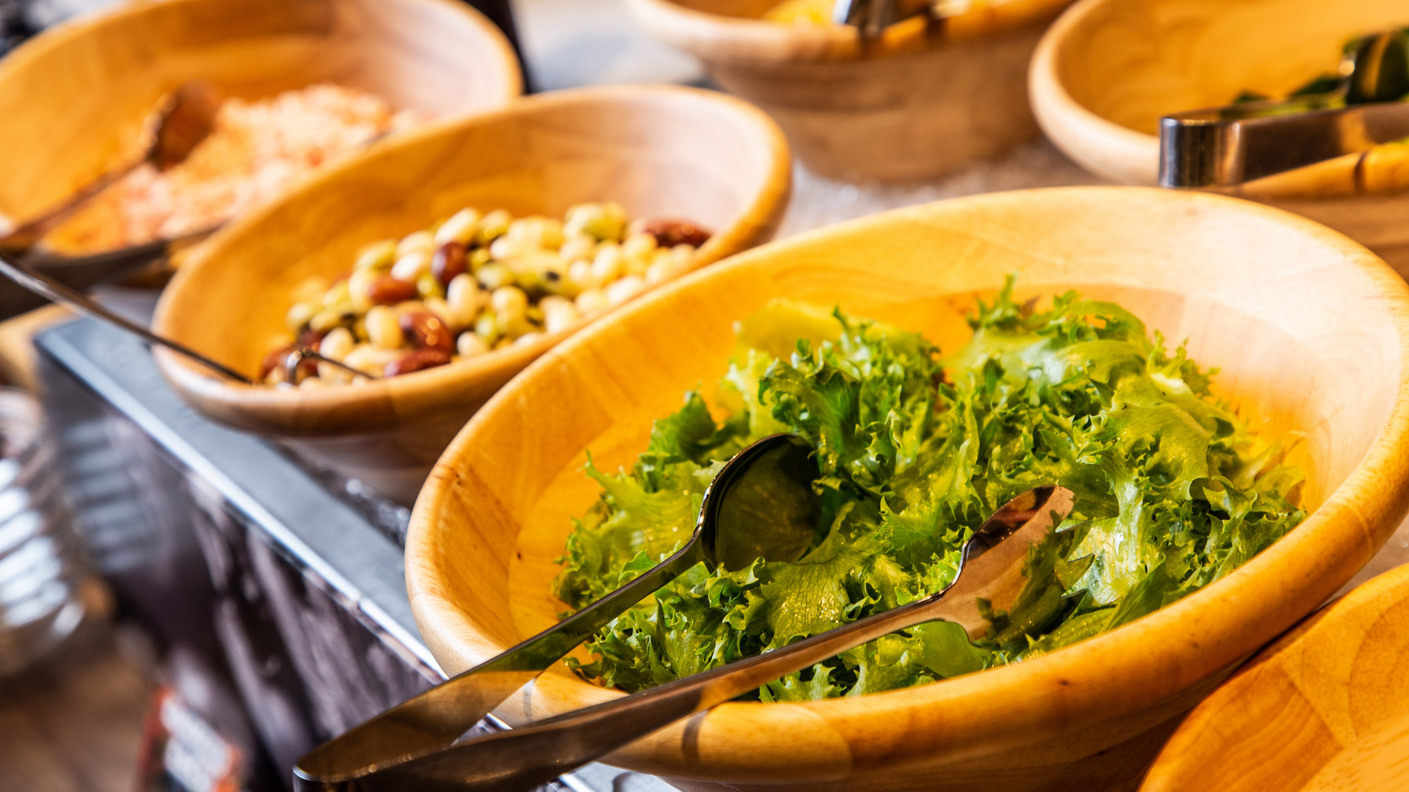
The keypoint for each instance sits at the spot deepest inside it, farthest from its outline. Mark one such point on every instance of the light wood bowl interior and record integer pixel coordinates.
(1322, 709)
(660, 152)
(1107, 70)
(75, 97)
(1310, 333)
(920, 102)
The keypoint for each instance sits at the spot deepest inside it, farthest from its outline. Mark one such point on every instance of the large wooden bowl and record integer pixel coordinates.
(922, 101)
(74, 98)
(1310, 333)
(1107, 70)
(660, 152)
(1321, 709)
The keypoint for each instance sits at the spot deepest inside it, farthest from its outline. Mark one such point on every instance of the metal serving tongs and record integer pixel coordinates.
(414, 745)
(1226, 146)
(53, 290)
(872, 17)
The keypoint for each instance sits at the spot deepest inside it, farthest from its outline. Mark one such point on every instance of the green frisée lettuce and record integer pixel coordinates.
(915, 450)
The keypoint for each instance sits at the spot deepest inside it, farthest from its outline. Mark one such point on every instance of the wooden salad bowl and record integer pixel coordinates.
(1309, 332)
(75, 97)
(1324, 708)
(1107, 70)
(920, 102)
(658, 151)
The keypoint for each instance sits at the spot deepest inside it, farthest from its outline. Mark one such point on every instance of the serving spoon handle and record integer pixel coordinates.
(991, 568)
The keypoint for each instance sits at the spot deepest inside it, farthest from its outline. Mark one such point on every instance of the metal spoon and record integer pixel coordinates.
(54, 291)
(992, 569)
(1223, 146)
(184, 118)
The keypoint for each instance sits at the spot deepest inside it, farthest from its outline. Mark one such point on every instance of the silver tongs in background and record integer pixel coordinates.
(872, 17)
(1225, 146)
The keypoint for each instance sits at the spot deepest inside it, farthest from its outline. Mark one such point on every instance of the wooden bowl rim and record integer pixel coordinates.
(970, 715)
(747, 40)
(265, 409)
(1180, 751)
(1130, 156)
(71, 32)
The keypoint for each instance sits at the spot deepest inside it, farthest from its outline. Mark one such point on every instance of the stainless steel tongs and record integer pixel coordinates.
(1225, 146)
(872, 17)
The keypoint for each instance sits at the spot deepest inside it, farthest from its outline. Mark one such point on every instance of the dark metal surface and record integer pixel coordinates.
(220, 542)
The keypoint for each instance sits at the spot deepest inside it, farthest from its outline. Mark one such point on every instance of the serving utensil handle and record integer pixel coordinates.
(527, 757)
(363, 758)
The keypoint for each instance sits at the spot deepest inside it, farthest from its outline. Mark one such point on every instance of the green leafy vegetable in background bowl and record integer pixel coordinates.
(915, 450)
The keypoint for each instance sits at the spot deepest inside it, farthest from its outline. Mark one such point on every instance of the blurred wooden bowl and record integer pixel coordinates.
(1322, 709)
(1107, 70)
(75, 97)
(1309, 332)
(658, 151)
(920, 102)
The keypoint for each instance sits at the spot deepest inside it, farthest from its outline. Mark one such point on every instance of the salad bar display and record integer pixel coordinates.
(493, 443)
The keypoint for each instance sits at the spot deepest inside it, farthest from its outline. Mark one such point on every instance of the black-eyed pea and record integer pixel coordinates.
(527, 338)
(428, 285)
(558, 313)
(383, 328)
(412, 265)
(492, 226)
(328, 318)
(638, 246)
(580, 275)
(416, 242)
(509, 302)
(376, 256)
(358, 288)
(470, 345)
(368, 359)
(337, 294)
(577, 246)
(337, 343)
(592, 301)
(299, 315)
(625, 289)
(464, 299)
(487, 328)
(609, 263)
(459, 227)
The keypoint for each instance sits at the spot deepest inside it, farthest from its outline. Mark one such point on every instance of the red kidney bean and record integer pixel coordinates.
(416, 360)
(448, 261)
(386, 290)
(669, 233)
(427, 331)
(277, 359)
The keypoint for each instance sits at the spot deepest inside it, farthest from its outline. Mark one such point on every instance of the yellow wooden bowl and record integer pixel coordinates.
(1309, 330)
(1107, 70)
(74, 98)
(658, 151)
(922, 101)
(1322, 709)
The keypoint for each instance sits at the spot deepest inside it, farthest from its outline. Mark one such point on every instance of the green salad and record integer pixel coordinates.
(916, 449)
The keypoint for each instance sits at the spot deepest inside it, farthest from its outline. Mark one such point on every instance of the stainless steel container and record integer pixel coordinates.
(42, 575)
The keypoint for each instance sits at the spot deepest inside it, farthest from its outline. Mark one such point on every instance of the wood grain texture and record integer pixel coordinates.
(1109, 69)
(1324, 708)
(658, 151)
(75, 97)
(1309, 331)
(920, 102)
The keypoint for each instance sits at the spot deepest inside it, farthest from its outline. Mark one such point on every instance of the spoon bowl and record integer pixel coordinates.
(776, 471)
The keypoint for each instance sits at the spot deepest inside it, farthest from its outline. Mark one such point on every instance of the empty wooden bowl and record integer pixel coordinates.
(1322, 709)
(1309, 331)
(1107, 70)
(920, 102)
(658, 151)
(75, 97)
